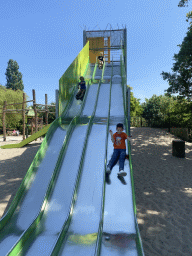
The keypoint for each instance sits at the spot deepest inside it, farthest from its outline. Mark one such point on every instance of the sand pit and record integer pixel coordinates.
(163, 188)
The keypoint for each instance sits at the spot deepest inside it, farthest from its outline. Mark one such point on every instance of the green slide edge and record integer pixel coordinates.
(138, 236)
(94, 71)
(29, 139)
(103, 72)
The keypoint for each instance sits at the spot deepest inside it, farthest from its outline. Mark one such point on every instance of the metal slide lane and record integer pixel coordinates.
(85, 218)
(58, 206)
(18, 219)
(119, 232)
(75, 105)
(31, 201)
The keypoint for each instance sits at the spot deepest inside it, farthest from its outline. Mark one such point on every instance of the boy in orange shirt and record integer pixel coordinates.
(119, 152)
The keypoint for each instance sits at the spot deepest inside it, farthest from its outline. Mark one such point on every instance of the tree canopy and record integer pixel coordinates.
(182, 3)
(2, 87)
(51, 116)
(181, 80)
(13, 76)
(136, 109)
(13, 119)
(165, 109)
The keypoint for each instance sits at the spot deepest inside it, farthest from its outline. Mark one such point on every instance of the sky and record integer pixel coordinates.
(44, 37)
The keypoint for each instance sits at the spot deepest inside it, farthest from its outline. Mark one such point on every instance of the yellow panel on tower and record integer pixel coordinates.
(95, 43)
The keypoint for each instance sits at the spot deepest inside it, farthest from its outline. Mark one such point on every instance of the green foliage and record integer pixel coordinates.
(182, 3)
(180, 80)
(13, 119)
(177, 111)
(2, 87)
(160, 111)
(51, 117)
(136, 108)
(182, 113)
(13, 76)
(152, 109)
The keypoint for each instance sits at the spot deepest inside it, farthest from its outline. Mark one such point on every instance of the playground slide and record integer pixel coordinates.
(29, 139)
(73, 211)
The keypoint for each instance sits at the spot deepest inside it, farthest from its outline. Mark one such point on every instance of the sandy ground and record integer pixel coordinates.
(14, 164)
(163, 188)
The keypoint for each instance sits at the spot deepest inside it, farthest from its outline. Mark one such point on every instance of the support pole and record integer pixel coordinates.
(57, 103)
(109, 45)
(84, 38)
(46, 109)
(129, 118)
(125, 49)
(4, 121)
(35, 109)
(23, 112)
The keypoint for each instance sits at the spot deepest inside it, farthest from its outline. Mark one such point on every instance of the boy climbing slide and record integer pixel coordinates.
(119, 152)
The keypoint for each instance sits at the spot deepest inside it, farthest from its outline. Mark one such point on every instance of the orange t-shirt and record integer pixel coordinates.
(119, 140)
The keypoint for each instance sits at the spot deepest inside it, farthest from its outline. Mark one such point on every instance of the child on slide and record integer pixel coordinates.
(100, 60)
(119, 152)
(82, 90)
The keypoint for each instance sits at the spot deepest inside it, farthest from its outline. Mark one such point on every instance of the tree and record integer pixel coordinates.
(182, 3)
(13, 119)
(157, 109)
(152, 108)
(2, 87)
(181, 80)
(13, 76)
(164, 110)
(51, 116)
(136, 109)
